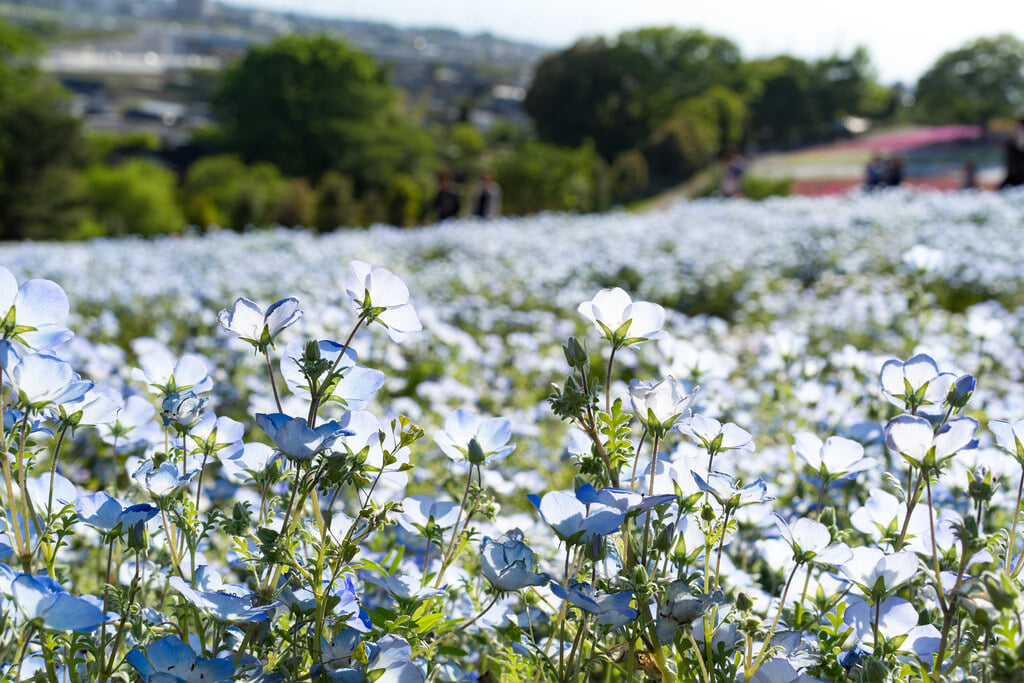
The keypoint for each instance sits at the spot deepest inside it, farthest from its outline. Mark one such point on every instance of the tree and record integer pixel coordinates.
(137, 197)
(309, 104)
(42, 148)
(536, 177)
(976, 83)
(618, 93)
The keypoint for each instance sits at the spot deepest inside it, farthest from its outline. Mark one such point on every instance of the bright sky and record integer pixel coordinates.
(904, 37)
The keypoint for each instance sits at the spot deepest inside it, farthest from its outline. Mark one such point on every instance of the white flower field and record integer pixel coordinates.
(723, 441)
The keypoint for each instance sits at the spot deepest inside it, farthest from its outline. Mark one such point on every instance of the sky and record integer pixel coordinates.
(904, 37)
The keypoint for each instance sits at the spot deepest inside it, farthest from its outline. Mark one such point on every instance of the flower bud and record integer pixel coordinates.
(961, 391)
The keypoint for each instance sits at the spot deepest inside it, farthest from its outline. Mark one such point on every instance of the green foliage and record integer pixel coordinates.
(628, 176)
(135, 197)
(309, 104)
(404, 200)
(221, 190)
(757, 187)
(685, 143)
(537, 176)
(40, 194)
(975, 83)
(335, 205)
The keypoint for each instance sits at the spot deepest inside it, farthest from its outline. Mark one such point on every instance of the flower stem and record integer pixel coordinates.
(768, 639)
(1013, 528)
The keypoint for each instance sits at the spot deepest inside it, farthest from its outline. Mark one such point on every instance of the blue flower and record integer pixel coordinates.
(464, 427)
(29, 314)
(182, 408)
(612, 609)
(164, 481)
(295, 439)
(682, 607)
(508, 563)
(248, 321)
(171, 660)
(106, 513)
(44, 599)
(220, 605)
(353, 386)
(627, 502)
(573, 521)
(723, 488)
(40, 380)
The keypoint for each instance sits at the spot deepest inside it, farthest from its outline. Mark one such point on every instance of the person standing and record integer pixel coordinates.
(446, 202)
(487, 202)
(1015, 159)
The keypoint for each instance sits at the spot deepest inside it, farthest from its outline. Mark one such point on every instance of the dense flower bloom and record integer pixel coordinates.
(381, 295)
(171, 660)
(508, 563)
(623, 321)
(248, 321)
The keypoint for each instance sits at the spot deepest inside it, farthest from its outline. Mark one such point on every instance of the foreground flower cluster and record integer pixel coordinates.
(263, 505)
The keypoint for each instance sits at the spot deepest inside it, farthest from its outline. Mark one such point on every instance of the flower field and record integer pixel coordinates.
(725, 441)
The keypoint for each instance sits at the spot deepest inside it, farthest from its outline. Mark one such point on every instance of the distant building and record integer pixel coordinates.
(190, 9)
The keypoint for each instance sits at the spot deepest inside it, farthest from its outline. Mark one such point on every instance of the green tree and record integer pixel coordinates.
(335, 205)
(537, 176)
(975, 83)
(41, 147)
(309, 104)
(137, 197)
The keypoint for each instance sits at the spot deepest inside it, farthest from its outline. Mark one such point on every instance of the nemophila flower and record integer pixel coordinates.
(621, 320)
(714, 436)
(811, 541)
(421, 514)
(30, 315)
(573, 521)
(295, 439)
(134, 426)
(212, 433)
(961, 391)
(382, 297)
(611, 609)
(171, 660)
(220, 605)
(723, 488)
(163, 374)
(354, 386)
(405, 586)
(106, 513)
(182, 408)
(781, 670)
(915, 385)
(508, 563)
(659, 405)
(1009, 437)
(248, 463)
(627, 502)
(913, 438)
(387, 660)
(44, 599)
(876, 573)
(834, 457)
(468, 437)
(251, 324)
(163, 481)
(40, 381)
(682, 607)
(50, 494)
(897, 623)
(98, 407)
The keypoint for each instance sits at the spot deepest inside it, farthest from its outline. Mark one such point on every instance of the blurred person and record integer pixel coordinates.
(733, 166)
(446, 202)
(487, 202)
(969, 179)
(1015, 158)
(874, 173)
(894, 172)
